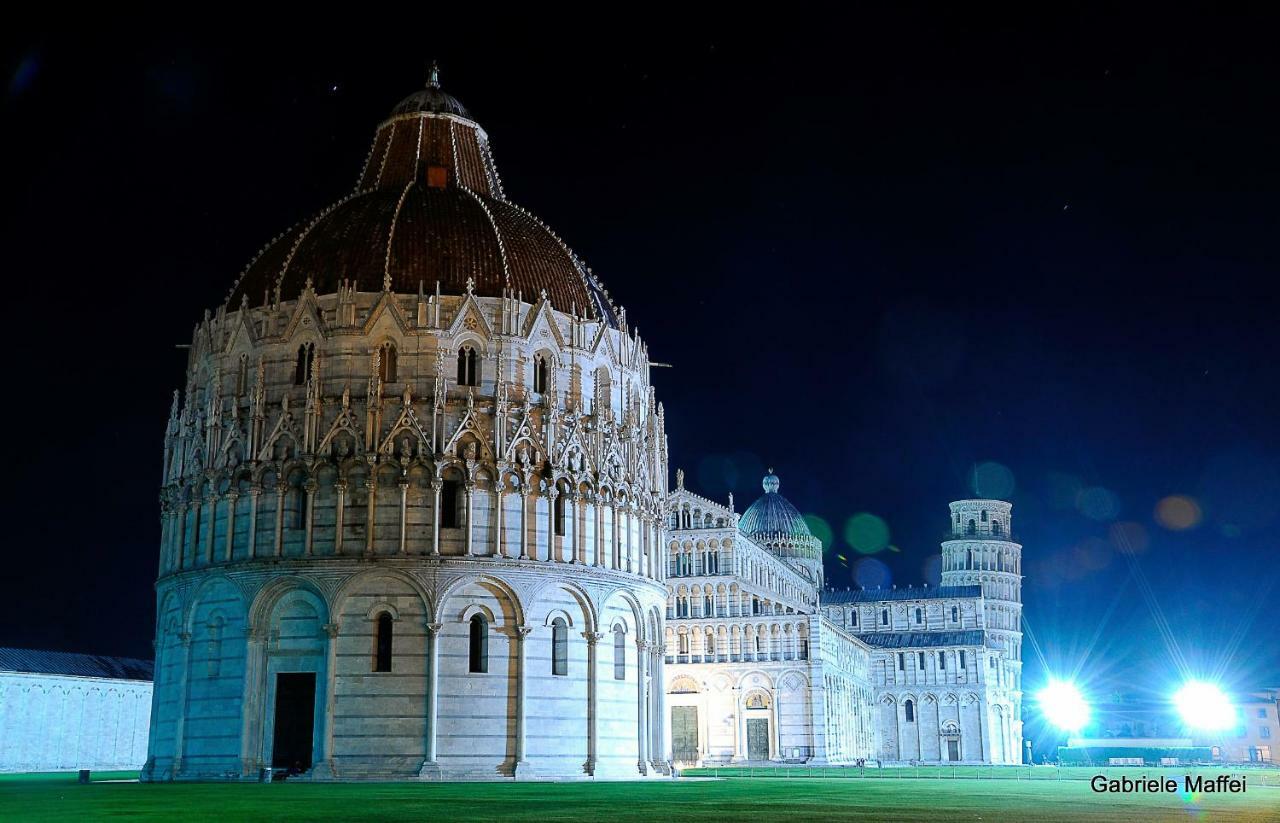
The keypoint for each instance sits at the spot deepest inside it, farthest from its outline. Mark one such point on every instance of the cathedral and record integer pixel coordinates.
(416, 524)
(765, 665)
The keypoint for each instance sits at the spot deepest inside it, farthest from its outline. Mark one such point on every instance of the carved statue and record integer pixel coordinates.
(679, 478)
(522, 456)
(471, 451)
(406, 449)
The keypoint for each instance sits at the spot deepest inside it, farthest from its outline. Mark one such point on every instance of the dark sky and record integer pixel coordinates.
(879, 252)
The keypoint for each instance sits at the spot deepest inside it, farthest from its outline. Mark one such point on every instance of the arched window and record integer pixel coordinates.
(540, 373)
(853, 618)
(955, 613)
(984, 515)
(382, 644)
(450, 501)
(559, 514)
(684, 644)
(619, 654)
(972, 528)
(884, 617)
(387, 363)
(919, 615)
(559, 647)
(301, 371)
(909, 709)
(467, 373)
(942, 661)
(902, 662)
(920, 659)
(962, 658)
(996, 527)
(478, 649)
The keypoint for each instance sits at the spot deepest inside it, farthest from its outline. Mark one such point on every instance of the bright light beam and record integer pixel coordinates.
(1204, 706)
(1062, 705)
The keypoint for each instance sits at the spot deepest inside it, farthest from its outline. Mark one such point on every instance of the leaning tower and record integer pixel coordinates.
(981, 551)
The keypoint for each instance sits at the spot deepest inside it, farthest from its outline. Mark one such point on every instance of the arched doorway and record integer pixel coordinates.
(756, 708)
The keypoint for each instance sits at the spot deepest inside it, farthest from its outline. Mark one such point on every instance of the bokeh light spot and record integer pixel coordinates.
(870, 573)
(1178, 512)
(866, 533)
(932, 569)
(820, 529)
(993, 480)
(1097, 503)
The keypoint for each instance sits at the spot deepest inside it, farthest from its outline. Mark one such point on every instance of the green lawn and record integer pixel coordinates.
(813, 799)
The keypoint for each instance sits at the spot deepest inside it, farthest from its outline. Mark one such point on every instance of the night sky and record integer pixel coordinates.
(888, 256)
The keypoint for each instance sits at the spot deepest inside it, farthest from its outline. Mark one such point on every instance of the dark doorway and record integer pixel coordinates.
(295, 720)
(757, 739)
(684, 734)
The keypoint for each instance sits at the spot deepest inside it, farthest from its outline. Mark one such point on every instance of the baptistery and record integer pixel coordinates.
(413, 496)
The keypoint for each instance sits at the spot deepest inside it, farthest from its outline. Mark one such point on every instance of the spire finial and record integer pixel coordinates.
(433, 76)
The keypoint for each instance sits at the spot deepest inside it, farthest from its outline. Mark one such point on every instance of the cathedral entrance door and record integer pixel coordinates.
(684, 733)
(953, 750)
(295, 720)
(757, 739)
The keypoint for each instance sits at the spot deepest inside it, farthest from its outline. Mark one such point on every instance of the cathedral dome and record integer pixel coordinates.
(772, 517)
(428, 211)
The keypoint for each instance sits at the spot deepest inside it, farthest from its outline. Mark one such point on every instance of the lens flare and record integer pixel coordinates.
(1204, 706)
(1062, 705)
(1178, 512)
(866, 533)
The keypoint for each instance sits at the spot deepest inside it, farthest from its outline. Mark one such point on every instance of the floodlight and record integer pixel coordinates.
(1063, 705)
(1204, 706)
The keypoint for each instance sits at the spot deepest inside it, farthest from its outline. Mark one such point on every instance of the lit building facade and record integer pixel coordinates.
(413, 495)
(764, 664)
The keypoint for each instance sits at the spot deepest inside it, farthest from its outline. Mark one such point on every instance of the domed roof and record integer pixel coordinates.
(428, 210)
(431, 99)
(772, 517)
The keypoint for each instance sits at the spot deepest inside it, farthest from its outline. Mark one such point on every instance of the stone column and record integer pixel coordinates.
(324, 762)
(552, 551)
(180, 537)
(615, 559)
(429, 766)
(642, 697)
(371, 511)
(251, 707)
(404, 510)
(524, 523)
(280, 490)
(232, 497)
(211, 503)
(180, 717)
(311, 487)
(254, 493)
(593, 689)
(663, 754)
(436, 486)
(596, 501)
(469, 491)
(739, 726)
(522, 767)
(498, 537)
(340, 493)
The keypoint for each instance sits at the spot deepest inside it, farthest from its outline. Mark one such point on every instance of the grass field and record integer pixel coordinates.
(43, 797)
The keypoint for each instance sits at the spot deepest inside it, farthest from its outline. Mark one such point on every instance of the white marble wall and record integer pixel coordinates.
(54, 722)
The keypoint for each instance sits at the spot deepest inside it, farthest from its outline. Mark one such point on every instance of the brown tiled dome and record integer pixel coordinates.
(428, 208)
